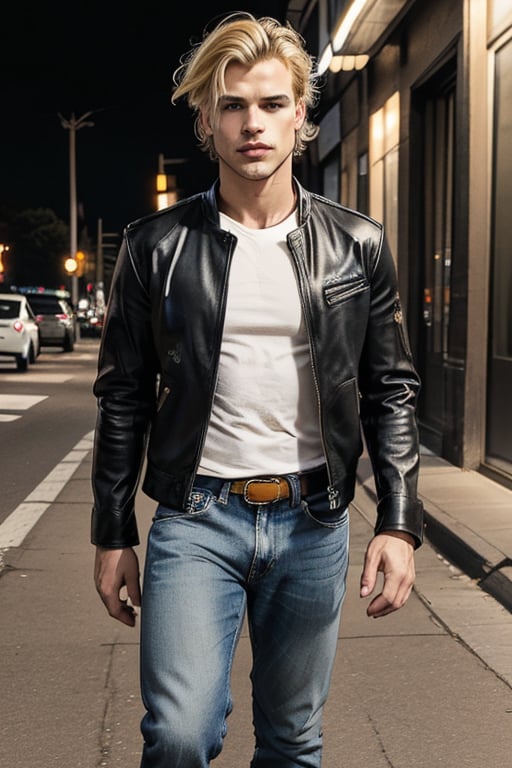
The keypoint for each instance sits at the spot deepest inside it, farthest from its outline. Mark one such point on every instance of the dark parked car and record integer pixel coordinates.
(56, 320)
(90, 317)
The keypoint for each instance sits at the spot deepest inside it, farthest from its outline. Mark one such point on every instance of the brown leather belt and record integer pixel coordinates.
(268, 489)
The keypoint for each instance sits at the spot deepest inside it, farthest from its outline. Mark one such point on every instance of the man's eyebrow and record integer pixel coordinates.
(229, 99)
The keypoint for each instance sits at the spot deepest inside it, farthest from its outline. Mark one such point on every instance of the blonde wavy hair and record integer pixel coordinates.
(244, 39)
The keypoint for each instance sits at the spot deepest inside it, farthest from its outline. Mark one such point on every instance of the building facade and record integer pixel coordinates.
(416, 131)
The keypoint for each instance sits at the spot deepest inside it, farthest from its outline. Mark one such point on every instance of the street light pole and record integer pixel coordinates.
(73, 125)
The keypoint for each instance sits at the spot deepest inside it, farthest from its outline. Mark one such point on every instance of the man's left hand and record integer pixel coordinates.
(391, 553)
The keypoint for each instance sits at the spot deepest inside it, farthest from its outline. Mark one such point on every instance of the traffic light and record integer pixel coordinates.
(80, 263)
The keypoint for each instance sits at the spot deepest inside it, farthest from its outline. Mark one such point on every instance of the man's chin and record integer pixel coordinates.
(255, 170)
(259, 172)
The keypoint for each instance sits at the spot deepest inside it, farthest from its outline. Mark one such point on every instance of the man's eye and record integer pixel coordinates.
(231, 107)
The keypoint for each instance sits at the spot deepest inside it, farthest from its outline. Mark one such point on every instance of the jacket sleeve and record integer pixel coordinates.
(389, 387)
(125, 388)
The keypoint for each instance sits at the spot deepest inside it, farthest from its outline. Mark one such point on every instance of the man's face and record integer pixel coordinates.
(254, 125)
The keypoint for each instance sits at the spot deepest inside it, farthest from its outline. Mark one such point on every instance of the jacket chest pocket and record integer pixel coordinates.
(336, 292)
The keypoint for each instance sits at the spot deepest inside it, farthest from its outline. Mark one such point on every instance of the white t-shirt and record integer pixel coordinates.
(265, 413)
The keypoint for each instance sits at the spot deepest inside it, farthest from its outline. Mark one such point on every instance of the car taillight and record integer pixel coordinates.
(18, 326)
(62, 316)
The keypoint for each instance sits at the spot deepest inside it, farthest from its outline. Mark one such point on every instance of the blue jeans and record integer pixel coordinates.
(204, 569)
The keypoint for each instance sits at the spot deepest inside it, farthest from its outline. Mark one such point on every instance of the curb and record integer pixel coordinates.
(493, 578)
(488, 577)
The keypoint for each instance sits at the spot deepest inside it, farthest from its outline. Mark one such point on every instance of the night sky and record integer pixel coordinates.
(117, 60)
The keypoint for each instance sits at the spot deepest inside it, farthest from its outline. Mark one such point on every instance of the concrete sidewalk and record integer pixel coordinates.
(468, 520)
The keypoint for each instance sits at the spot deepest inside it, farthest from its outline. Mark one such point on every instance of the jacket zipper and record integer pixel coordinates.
(333, 493)
(232, 242)
(399, 322)
(163, 397)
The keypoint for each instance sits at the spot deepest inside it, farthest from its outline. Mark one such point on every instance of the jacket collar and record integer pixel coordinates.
(212, 210)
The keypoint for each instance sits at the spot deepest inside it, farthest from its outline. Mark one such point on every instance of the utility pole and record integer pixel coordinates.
(73, 125)
(104, 248)
(99, 253)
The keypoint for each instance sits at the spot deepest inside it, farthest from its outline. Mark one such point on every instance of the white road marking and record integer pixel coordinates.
(19, 402)
(17, 525)
(38, 378)
(82, 356)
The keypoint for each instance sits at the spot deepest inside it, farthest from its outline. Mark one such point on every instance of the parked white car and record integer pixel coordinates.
(19, 331)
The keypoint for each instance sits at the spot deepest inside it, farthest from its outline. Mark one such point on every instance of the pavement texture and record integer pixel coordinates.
(468, 519)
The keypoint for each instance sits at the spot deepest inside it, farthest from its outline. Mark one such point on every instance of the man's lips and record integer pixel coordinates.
(254, 150)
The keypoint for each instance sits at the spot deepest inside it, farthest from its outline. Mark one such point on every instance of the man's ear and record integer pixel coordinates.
(204, 118)
(300, 114)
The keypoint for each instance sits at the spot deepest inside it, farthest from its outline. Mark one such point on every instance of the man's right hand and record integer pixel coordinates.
(115, 569)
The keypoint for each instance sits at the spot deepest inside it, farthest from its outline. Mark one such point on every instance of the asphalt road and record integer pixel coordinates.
(428, 686)
(43, 413)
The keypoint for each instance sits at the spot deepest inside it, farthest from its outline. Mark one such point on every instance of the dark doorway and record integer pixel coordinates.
(498, 449)
(434, 113)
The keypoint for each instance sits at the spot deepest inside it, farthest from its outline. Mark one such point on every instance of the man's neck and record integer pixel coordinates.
(257, 205)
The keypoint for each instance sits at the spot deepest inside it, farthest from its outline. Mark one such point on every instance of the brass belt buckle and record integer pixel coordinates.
(247, 485)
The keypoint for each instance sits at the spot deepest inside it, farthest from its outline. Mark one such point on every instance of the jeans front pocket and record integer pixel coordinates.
(318, 508)
(197, 504)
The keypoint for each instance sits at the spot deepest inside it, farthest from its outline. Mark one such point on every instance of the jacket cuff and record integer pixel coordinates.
(114, 531)
(400, 513)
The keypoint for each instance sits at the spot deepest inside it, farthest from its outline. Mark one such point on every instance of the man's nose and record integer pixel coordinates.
(253, 122)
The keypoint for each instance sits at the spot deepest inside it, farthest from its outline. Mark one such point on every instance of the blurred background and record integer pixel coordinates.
(113, 63)
(415, 130)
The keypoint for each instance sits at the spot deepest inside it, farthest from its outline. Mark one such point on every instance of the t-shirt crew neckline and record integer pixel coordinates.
(287, 224)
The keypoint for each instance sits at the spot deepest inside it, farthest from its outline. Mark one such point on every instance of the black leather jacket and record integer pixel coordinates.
(160, 351)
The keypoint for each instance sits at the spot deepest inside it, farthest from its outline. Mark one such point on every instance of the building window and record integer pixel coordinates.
(362, 183)
(331, 177)
(383, 156)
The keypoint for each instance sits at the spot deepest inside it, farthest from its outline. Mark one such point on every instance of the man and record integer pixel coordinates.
(251, 331)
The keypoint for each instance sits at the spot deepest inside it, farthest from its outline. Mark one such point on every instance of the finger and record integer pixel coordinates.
(127, 614)
(133, 591)
(117, 608)
(394, 595)
(122, 611)
(368, 576)
(381, 606)
(378, 607)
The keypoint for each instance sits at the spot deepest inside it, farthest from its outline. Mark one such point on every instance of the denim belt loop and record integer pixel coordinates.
(223, 496)
(295, 491)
